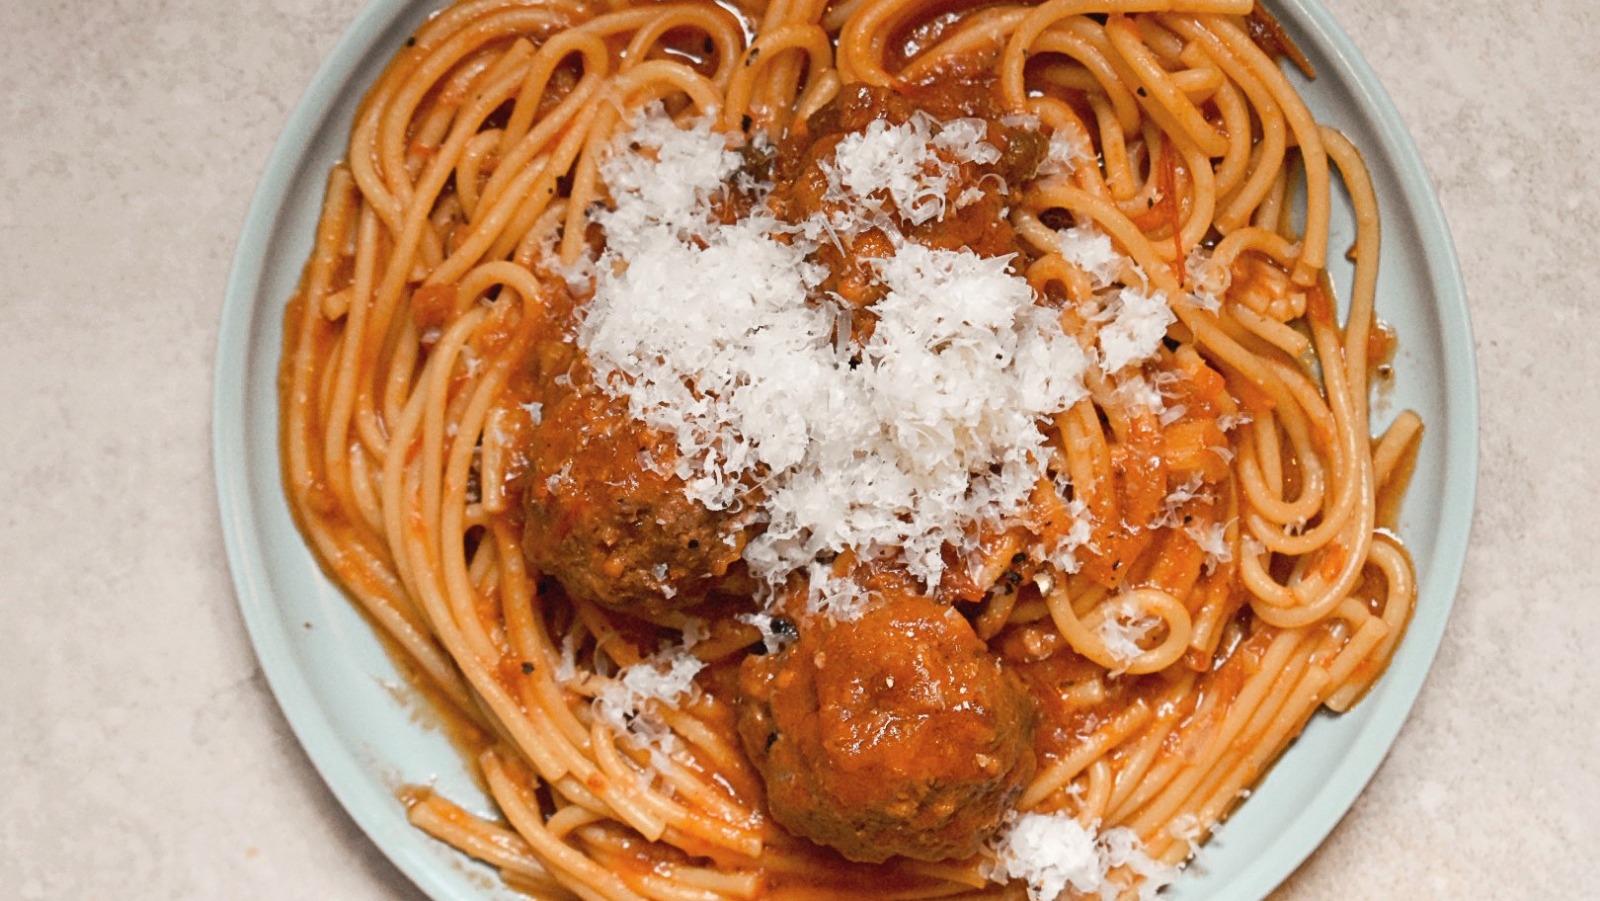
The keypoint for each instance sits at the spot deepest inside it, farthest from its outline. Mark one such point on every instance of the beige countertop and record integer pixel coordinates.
(141, 752)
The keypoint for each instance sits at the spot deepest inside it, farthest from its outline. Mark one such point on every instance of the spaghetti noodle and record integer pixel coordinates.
(651, 356)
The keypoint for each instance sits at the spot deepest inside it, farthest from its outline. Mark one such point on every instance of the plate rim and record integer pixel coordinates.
(379, 815)
(337, 764)
(1452, 533)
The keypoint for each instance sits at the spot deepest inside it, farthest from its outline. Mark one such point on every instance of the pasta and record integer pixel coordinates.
(625, 322)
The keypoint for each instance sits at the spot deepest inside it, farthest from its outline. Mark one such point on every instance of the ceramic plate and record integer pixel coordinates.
(368, 734)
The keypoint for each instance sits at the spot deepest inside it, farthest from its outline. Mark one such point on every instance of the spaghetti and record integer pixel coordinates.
(1063, 403)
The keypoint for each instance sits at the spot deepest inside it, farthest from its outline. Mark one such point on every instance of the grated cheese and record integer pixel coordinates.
(1135, 391)
(1121, 848)
(1188, 829)
(1053, 853)
(1230, 421)
(931, 429)
(964, 140)
(567, 666)
(841, 599)
(1090, 249)
(1050, 852)
(1063, 553)
(1213, 541)
(1210, 281)
(1192, 489)
(666, 678)
(903, 164)
(554, 480)
(1123, 628)
(1061, 157)
(1138, 322)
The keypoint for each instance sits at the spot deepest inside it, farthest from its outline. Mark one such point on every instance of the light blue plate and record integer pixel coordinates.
(367, 735)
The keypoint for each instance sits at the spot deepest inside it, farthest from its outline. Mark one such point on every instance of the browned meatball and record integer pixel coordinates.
(895, 734)
(602, 520)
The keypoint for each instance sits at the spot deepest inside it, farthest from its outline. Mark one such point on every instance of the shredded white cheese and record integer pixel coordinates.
(1122, 849)
(1230, 421)
(1188, 829)
(912, 165)
(964, 140)
(897, 446)
(1135, 392)
(1061, 157)
(1063, 553)
(1209, 281)
(1193, 488)
(843, 599)
(1050, 852)
(1213, 542)
(667, 678)
(1123, 628)
(567, 666)
(1091, 250)
(1053, 853)
(714, 343)
(1138, 322)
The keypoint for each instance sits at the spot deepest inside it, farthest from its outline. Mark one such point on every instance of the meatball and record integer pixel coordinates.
(603, 519)
(895, 734)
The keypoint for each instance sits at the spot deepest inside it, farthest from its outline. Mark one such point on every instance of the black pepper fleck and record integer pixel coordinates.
(784, 628)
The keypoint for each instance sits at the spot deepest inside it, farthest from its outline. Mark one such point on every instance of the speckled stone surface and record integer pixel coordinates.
(141, 754)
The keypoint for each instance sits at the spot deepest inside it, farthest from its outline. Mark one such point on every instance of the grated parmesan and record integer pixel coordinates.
(1061, 157)
(1138, 322)
(1052, 853)
(1230, 421)
(667, 678)
(927, 429)
(904, 164)
(1090, 249)
(1192, 489)
(1135, 391)
(1063, 551)
(1210, 281)
(1123, 628)
(1213, 542)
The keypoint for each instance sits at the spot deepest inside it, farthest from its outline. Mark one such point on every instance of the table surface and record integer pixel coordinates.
(142, 753)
